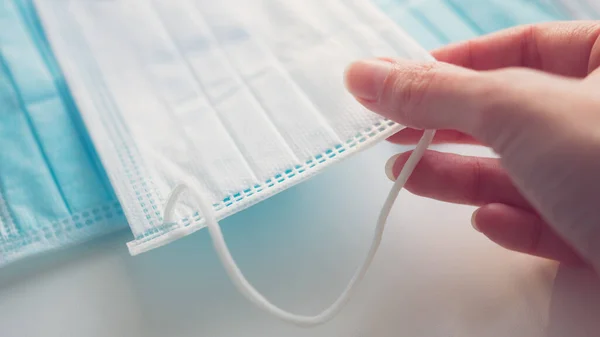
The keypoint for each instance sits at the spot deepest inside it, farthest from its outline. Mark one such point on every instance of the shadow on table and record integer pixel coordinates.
(54, 261)
(575, 304)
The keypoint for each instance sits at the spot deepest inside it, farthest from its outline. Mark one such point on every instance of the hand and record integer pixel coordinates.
(532, 94)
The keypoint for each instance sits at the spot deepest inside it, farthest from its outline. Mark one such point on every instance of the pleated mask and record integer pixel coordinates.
(53, 190)
(232, 101)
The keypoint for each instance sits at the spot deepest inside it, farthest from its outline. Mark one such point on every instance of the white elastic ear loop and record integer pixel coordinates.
(250, 292)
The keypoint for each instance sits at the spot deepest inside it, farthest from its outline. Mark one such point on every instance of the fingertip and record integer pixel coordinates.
(506, 226)
(410, 136)
(406, 136)
(395, 164)
(387, 59)
(397, 90)
(348, 74)
(365, 79)
(389, 167)
(523, 231)
(490, 220)
(474, 221)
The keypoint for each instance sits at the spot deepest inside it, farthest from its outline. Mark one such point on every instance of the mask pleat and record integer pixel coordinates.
(36, 31)
(522, 12)
(23, 161)
(109, 119)
(464, 15)
(263, 75)
(360, 39)
(24, 167)
(152, 86)
(53, 193)
(108, 104)
(246, 112)
(232, 100)
(486, 16)
(573, 9)
(388, 32)
(594, 7)
(444, 21)
(166, 66)
(244, 99)
(314, 61)
(69, 161)
(8, 228)
(415, 27)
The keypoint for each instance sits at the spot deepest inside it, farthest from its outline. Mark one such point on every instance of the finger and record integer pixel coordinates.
(412, 136)
(564, 48)
(458, 179)
(595, 64)
(522, 231)
(415, 94)
(493, 107)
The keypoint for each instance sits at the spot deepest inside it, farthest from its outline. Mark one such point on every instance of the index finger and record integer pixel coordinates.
(562, 48)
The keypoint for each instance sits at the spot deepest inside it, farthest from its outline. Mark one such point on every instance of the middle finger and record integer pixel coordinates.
(459, 179)
(411, 136)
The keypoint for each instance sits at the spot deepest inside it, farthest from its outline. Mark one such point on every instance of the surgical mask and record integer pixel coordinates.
(233, 101)
(53, 192)
(575, 9)
(435, 23)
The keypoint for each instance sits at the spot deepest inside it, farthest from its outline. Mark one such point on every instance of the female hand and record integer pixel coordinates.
(532, 94)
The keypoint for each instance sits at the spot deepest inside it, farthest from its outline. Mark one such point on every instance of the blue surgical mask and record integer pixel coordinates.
(435, 23)
(53, 192)
(574, 9)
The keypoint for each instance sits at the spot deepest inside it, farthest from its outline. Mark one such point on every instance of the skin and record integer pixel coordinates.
(532, 94)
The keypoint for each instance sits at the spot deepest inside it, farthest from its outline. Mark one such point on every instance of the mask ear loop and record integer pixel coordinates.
(242, 284)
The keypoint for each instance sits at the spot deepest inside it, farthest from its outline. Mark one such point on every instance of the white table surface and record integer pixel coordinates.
(434, 275)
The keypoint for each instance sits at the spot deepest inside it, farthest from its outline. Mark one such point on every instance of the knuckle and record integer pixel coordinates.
(578, 221)
(594, 59)
(409, 87)
(421, 79)
(530, 53)
(493, 96)
(534, 237)
(589, 31)
(509, 106)
(476, 188)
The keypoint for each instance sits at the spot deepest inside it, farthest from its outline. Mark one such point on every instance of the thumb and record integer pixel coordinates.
(491, 106)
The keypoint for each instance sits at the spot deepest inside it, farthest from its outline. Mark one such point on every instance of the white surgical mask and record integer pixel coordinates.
(235, 99)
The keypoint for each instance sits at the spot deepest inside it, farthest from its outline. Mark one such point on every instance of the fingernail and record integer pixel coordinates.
(389, 167)
(365, 79)
(474, 222)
